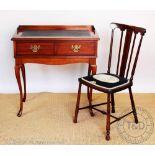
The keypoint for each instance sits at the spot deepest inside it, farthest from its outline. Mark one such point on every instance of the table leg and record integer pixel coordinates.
(24, 81)
(89, 72)
(93, 68)
(17, 73)
(92, 71)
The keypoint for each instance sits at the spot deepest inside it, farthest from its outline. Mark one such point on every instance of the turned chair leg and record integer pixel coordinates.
(88, 92)
(90, 103)
(108, 118)
(133, 106)
(77, 103)
(112, 103)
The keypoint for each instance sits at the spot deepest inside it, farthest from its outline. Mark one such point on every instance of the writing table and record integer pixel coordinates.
(53, 45)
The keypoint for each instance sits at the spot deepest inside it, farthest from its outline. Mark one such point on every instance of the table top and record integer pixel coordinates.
(56, 33)
(52, 32)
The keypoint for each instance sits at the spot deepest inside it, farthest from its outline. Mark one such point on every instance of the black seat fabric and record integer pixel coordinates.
(106, 81)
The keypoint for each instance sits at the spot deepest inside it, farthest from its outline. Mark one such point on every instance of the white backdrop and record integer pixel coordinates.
(41, 78)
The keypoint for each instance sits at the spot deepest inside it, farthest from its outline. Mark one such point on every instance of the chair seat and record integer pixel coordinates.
(106, 82)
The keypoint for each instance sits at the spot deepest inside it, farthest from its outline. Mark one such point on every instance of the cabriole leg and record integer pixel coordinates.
(17, 73)
(89, 73)
(93, 69)
(24, 81)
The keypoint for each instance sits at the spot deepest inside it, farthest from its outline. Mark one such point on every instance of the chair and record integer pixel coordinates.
(110, 83)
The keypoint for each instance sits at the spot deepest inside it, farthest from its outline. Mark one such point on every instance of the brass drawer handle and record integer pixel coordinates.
(76, 48)
(35, 48)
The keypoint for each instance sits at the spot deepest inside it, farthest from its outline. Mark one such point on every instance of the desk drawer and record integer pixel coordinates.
(35, 48)
(75, 48)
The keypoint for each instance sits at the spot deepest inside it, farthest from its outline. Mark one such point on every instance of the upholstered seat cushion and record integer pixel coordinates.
(106, 81)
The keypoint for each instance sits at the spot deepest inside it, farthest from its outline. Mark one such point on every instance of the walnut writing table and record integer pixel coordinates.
(53, 45)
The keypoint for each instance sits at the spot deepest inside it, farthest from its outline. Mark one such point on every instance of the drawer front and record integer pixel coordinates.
(75, 48)
(35, 48)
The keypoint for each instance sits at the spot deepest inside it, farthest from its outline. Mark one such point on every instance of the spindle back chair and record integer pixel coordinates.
(110, 83)
(123, 67)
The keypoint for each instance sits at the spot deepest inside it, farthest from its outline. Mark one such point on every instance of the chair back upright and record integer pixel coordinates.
(126, 62)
